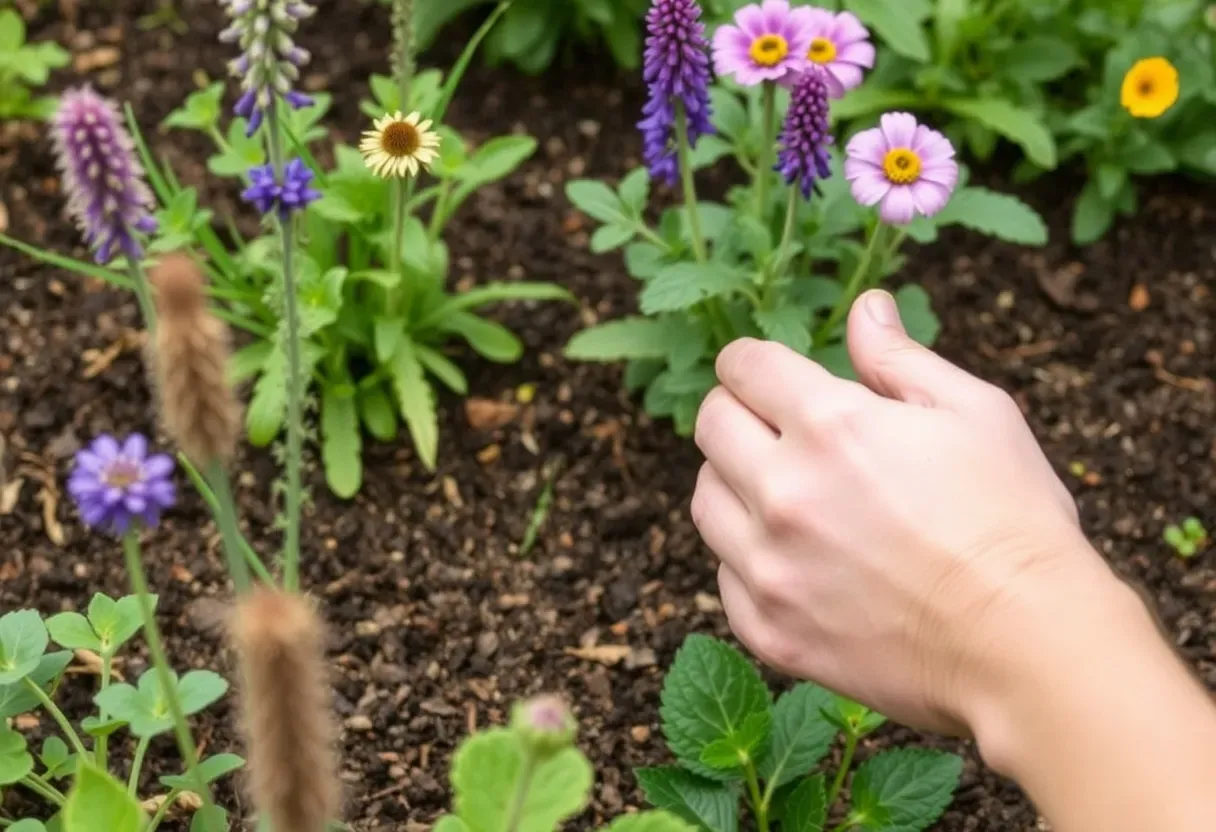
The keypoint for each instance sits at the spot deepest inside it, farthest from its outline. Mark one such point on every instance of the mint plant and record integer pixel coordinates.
(23, 68)
(733, 742)
(1188, 539)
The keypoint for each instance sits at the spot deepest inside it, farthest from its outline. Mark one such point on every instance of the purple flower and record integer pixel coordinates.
(906, 166)
(270, 61)
(805, 138)
(840, 44)
(768, 42)
(676, 70)
(294, 193)
(102, 178)
(114, 485)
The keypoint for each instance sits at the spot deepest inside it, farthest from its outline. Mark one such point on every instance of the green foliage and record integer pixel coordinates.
(23, 68)
(713, 699)
(98, 801)
(1186, 540)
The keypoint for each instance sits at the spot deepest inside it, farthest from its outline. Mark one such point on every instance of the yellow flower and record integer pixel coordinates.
(399, 145)
(1150, 88)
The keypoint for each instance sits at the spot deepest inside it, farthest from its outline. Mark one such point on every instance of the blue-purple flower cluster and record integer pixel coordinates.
(270, 62)
(114, 484)
(806, 136)
(286, 193)
(677, 74)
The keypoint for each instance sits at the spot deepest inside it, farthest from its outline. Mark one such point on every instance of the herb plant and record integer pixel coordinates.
(732, 741)
(1188, 539)
(23, 68)
(785, 255)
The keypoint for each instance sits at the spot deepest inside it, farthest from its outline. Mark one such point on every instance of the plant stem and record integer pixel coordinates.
(764, 165)
(403, 43)
(141, 751)
(101, 744)
(515, 813)
(850, 748)
(689, 186)
(781, 260)
(57, 715)
(852, 290)
(37, 784)
(440, 211)
(160, 663)
(398, 243)
(163, 810)
(225, 518)
(759, 802)
(204, 490)
(143, 294)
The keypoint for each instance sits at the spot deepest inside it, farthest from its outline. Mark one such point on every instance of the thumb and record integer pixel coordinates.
(893, 365)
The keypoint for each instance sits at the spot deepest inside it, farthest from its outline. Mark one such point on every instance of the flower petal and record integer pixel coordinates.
(750, 20)
(898, 207)
(845, 76)
(899, 129)
(931, 145)
(820, 22)
(862, 54)
(941, 173)
(849, 29)
(158, 466)
(868, 146)
(776, 16)
(930, 198)
(135, 448)
(870, 186)
(105, 447)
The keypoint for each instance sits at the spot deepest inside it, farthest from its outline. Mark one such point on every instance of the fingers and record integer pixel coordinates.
(751, 624)
(721, 517)
(733, 439)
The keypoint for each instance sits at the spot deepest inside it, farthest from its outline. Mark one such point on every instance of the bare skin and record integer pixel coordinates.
(904, 541)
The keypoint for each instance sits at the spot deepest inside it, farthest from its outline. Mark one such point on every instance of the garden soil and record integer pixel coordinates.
(439, 620)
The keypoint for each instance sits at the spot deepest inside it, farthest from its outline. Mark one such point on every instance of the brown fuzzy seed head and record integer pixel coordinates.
(197, 405)
(288, 717)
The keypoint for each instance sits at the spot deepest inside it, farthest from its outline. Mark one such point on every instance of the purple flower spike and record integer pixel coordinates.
(293, 194)
(676, 70)
(114, 485)
(102, 178)
(270, 63)
(805, 138)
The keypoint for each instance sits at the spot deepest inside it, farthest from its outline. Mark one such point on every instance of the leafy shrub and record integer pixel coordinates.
(23, 67)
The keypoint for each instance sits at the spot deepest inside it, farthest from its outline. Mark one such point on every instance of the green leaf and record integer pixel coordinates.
(56, 758)
(708, 151)
(997, 215)
(243, 152)
(708, 694)
(201, 110)
(806, 807)
(485, 776)
(1111, 180)
(621, 340)
(211, 769)
(1040, 59)
(916, 311)
(896, 24)
(609, 237)
(789, 325)
(209, 819)
(742, 747)
(683, 285)
(144, 707)
(23, 640)
(496, 292)
(450, 823)
(12, 31)
(73, 631)
(1092, 217)
(15, 761)
(268, 405)
(905, 790)
(490, 340)
(416, 401)
(442, 368)
(16, 698)
(709, 805)
(117, 622)
(1020, 126)
(597, 200)
(1150, 158)
(492, 161)
(27, 825)
(387, 332)
(649, 822)
(634, 190)
(801, 734)
(95, 727)
(835, 359)
(644, 260)
(379, 416)
(853, 717)
(871, 98)
(98, 801)
(729, 114)
(341, 444)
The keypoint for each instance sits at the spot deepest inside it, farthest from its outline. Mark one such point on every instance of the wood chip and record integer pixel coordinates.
(48, 495)
(95, 59)
(605, 654)
(3, 218)
(489, 414)
(10, 493)
(1140, 298)
(451, 492)
(640, 733)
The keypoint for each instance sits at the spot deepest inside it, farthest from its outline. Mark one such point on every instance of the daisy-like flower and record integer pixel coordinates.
(114, 484)
(1150, 88)
(905, 166)
(400, 145)
(768, 42)
(840, 44)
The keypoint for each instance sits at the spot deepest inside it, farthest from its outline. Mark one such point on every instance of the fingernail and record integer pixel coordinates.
(882, 308)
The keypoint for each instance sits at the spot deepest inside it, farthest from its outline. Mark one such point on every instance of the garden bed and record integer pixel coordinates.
(438, 620)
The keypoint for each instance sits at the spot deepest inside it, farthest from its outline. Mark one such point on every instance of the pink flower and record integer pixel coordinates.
(769, 43)
(906, 166)
(841, 45)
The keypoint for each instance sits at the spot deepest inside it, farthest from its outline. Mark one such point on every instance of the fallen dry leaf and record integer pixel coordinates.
(605, 654)
(488, 414)
(10, 492)
(49, 497)
(94, 59)
(451, 492)
(3, 218)
(98, 361)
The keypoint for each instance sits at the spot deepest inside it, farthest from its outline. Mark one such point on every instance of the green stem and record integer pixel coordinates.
(398, 242)
(143, 294)
(163, 810)
(652, 237)
(440, 211)
(847, 823)
(225, 518)
(57, 715)
(295, 418)
(403, 57)
(160, 663)
(101, 744)
(850, 748)
(852, 289)
(137, 765)
(759, 802)
(35, 783)
(764, 165)
(204, 490)
(689, 185)
(782, 258)
(515, 813)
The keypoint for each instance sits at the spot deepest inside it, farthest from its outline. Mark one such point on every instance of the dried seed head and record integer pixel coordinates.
(288, 719)
(191, 359)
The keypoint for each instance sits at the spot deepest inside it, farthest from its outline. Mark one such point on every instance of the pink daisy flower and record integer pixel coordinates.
(904, 165)
(769, 42)
(841, 45)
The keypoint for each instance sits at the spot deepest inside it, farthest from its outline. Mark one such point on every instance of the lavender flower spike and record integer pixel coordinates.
(270, 61)
(676, 70)
(113, 484)
(102, 178)
(806, 136)
(268, 194)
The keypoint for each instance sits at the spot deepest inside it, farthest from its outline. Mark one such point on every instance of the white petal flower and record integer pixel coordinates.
(400, 145)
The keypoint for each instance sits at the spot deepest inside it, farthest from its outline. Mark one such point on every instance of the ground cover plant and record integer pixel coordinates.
(24, 67)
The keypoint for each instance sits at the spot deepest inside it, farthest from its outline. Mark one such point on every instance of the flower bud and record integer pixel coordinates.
(544, 725)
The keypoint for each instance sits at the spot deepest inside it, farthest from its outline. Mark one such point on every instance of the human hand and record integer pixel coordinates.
(887, 538)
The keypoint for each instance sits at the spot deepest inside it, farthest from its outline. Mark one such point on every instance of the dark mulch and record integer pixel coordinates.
(438, 622)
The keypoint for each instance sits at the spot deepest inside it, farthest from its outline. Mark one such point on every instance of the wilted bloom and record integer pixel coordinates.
(400, 145)
(841, 45)
(289, 192)
(115, 484)
(805, 138)
(904, 165)
(1150, 88)
(768, 42)
(270, 61)
(544, 725)
(676, 71)
(103, 180)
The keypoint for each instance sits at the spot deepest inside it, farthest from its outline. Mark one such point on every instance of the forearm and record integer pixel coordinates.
(1103, 726)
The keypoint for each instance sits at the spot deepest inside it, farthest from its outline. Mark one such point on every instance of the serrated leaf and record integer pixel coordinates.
(905, 790)
(341, 443)
(658, 821)
(211, 769)
(416, 402)
(683, 285)
(711, 806)
(742, 747)
(801, 734)
(916, 312)
(23, 640)
(73, 631)
(98, 801)
(485, 774)
(15, 761)
(998, 215)
(16, 698)
(1020, 126)
(622, 340)
(896, 24)
(710, 691)
(789, 325)
(806, 807)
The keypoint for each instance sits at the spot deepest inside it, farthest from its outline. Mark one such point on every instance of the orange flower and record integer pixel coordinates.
(1150, 88)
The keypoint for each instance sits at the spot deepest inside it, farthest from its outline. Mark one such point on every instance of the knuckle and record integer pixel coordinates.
(699, 509)
(837, 415)
(740, 358)
(998, 403)
(782, 503)
(773, 647)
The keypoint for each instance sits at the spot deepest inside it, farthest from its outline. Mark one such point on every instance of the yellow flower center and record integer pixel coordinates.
(400, 139)
(769, 50)
(1150, 88)
(823, 51)
(121, 475)
(902, 166)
